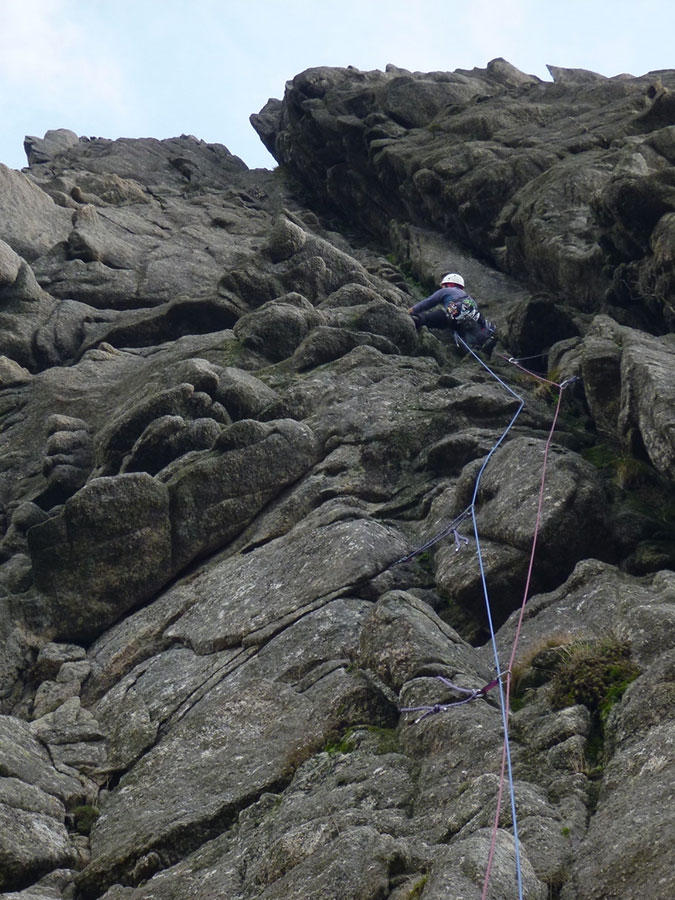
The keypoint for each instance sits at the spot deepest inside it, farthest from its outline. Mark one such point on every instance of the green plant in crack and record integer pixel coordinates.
(84, 818)
(593, 673)
(417, 888)
(626, 471)
(374, 738)
(596, 675)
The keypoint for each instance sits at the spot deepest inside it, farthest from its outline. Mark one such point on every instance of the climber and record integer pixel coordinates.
(458, 311)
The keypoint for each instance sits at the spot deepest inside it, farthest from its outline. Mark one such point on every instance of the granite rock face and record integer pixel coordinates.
(567, 185)
(265, 548)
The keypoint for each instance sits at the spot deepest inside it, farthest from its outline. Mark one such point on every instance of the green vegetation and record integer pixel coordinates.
(346, 744)
(406, 270)
(626, 471)
(84, 818)
(536, 668)
(376, 739)
(592, 673)
(416, 890)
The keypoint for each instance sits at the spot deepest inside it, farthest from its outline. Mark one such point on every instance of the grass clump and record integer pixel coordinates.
(416, 890)
(84, 818)
(370, 738)
(593, 673)
(626, 471)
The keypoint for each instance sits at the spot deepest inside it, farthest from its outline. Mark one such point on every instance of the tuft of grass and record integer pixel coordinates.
(593, 673)
(626, 471)
(537, 667)
(381, 740)
(416, 890)
(84, 818)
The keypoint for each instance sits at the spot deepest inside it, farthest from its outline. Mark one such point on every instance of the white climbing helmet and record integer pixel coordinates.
(452, 278)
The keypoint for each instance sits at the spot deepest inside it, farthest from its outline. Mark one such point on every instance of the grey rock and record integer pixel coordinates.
(23, 518)
(32, 223)
(598, 596)
(536, 324)
(278, 327)
(214, 494)
(324, 344)
(243, 395)
(302, 710)
(25, 758)
(638, 777)
(68, 461)
(52, 657)
(266, 593)
(404, 639)
(411, 158)
(11, 373)
(72, 556)
(507, 515)
(34, 841)
(55, 141)
(647, 397)
(221, 437)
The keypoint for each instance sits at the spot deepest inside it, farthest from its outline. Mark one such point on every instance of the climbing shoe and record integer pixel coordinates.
(488, 347)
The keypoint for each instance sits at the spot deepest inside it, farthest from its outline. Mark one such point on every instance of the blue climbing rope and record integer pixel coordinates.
(469, 694)
(502, 699)
(452, 528)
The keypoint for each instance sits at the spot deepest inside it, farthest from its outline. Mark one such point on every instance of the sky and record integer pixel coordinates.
(162, 68)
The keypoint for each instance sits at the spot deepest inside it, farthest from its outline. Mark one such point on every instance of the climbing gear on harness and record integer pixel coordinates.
(463, 311)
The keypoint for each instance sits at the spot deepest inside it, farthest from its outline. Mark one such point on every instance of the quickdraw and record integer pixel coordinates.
(471, 694)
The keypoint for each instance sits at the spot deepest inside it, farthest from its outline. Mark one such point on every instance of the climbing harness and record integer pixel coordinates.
(504, 689)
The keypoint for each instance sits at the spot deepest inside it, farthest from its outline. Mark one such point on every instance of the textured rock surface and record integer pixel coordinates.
(221, 441)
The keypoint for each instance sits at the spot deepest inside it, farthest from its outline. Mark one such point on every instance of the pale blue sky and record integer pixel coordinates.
(161, 68)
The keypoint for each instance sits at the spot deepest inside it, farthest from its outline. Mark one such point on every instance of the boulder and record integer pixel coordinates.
(574, 511)
(32, 224)
(55, 141)
(278, 327)
(646, 415)
(34, 795)
(87, 549)
(215, 494)
(68, 460)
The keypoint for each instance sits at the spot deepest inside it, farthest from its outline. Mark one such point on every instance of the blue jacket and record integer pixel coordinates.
(464, 307)
(444, 297)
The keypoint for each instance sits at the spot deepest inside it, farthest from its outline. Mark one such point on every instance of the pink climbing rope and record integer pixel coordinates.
(472, 694)
(502, 778)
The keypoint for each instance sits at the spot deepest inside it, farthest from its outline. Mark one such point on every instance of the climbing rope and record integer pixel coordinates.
(503, 695)
(506, 761)
(506, 773)
(452, 528)
(471, 695)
